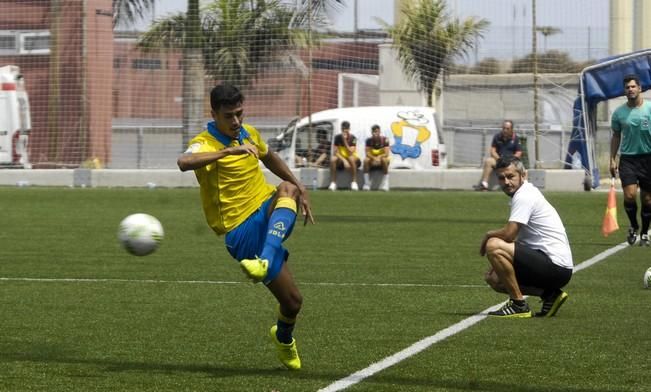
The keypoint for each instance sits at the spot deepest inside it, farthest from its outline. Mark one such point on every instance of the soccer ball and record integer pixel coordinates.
(647, 279)
(140, 234)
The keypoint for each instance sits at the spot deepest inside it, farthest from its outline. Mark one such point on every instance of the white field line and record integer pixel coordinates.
(443, 334)
(374, 367)
(222, 282)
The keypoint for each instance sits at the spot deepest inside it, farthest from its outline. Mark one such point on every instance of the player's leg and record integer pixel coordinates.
(367, 173)
(277, 227)
(335, 162)
(644, 180)
(500, 254)
(290, 301)
(645, 201)
(352, 163)
(494, 281)
(279, 279)
(384, 163)
(282, 216)
(628, 174)
(489, 164)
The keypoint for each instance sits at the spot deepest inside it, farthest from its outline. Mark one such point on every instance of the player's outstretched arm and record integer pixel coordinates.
(192, 161)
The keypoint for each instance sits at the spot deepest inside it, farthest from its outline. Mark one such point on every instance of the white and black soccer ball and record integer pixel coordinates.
(647, 279)
(140, 234)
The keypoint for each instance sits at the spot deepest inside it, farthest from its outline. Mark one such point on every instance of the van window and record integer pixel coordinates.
(275, 144)
(318, 141)
(305, 139)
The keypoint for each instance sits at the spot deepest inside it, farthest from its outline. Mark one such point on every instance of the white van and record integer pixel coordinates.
(416, 140)
(15, 122)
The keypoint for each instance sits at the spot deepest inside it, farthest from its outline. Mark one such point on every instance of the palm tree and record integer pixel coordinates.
(548, 30)
(239, 38)
(230, 39)
(129, 11)
(428, 39)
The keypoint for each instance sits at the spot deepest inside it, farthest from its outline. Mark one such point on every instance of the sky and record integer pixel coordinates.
(583, 24)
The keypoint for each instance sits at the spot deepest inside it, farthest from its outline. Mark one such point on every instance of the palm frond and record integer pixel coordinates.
(129, 11)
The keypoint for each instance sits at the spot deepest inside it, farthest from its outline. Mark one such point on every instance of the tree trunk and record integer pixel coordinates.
(193, 76)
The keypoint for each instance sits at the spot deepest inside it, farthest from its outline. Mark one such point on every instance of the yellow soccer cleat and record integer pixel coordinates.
(255, 269)
(287, 353)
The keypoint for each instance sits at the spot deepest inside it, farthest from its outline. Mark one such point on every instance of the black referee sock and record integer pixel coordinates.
(631, 212)
(646, 218)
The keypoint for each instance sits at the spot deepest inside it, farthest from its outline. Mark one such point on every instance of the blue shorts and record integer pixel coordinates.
(246, 241)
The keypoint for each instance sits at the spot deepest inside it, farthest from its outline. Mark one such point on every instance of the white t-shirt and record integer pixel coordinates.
(540, 226)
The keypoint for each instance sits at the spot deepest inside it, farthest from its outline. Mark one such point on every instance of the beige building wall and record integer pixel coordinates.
(621, 27)
(642, 27)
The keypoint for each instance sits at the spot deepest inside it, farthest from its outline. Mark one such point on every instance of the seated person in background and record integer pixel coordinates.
(315, 157)
(505, 144)
(377, 156)
(344, 157)
(321, 154)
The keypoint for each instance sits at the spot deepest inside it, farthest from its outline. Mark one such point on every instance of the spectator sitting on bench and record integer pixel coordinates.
(505, 143)
(344, 157)
(319, 156)
(377, 156)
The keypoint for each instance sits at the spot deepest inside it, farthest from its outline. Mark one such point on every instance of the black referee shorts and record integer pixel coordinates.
(636, 169)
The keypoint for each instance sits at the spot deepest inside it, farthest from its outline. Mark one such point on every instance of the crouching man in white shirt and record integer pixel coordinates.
(531, 254)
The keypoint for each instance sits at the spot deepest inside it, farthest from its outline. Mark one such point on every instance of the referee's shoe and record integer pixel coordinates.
(631, 238)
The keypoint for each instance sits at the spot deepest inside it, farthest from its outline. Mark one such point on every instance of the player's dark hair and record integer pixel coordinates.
(374, 127)
(630, 77)
(225, 94)
(506, 161)
(509, 121)
(345, 125)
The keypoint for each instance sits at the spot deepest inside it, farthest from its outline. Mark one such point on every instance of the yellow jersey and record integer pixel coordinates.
(233, 187)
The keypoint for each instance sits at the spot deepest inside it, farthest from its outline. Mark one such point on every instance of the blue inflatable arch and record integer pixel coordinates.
(601, 82)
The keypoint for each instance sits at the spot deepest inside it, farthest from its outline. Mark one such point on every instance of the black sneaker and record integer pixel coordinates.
(551, 304)
(511, 309)
(644, 240)
(631, 238)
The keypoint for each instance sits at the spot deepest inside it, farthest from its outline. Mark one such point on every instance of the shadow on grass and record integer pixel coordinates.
(50, 355)
(479, 385)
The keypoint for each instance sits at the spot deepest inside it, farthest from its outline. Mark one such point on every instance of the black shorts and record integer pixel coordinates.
(533, 268)
(636, 169)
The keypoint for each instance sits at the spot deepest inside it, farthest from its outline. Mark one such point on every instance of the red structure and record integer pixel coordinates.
(87, 75)
(67, 83)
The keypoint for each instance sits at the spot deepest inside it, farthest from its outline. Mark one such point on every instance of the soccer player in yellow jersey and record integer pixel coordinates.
(378, 155)
(344, 157)
(254, 216)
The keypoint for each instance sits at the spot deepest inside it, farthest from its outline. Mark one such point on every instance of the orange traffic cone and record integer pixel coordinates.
(610, 218)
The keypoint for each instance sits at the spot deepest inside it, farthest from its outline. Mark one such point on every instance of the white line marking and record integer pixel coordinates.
(443, 334)
(220, 282)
